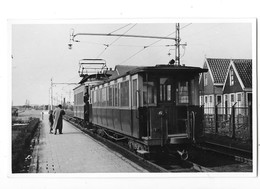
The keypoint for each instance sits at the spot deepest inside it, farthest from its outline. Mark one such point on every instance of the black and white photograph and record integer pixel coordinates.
(115, 99)
(132, 97)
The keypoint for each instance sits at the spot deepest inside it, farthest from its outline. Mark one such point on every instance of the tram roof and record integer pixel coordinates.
(163, 69)
(168, 69)
(122, 70)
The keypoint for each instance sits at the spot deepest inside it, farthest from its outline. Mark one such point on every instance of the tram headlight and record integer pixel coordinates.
(70, 46)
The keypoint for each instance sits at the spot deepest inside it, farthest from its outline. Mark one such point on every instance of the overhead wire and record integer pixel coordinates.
(120, 28)
(108, 45)
(145, 47)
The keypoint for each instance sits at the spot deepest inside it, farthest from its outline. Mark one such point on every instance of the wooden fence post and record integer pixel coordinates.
(216, 119)
(250, 121)
(233, 125)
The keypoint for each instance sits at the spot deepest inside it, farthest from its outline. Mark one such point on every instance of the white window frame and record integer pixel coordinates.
(134, 77)
(201, 100)
(240, 97)
(230, 99)
(231, 77)
(247, 104)
(206, 99)
(210, 99)
(221, 100)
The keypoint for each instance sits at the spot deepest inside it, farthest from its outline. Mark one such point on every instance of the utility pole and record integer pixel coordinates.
(57, 100)
(51, 95)
(177, 44)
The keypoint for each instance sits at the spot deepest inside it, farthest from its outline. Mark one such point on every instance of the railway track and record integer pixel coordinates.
(240, 155)
(201, 159)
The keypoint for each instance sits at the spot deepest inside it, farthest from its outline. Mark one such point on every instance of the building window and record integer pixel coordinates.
(201, 100)
(219, 99)
(232, 98)
(206, 99)
(226, 97)
(210, 99)
(231, 77)
(249, 99)
(239, 97)
(205, 79)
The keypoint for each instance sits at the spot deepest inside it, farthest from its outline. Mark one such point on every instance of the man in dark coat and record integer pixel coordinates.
(57, 114)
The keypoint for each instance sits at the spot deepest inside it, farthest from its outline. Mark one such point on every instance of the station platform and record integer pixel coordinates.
(76, 152)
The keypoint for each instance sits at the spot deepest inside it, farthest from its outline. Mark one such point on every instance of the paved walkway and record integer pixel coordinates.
(76, 152)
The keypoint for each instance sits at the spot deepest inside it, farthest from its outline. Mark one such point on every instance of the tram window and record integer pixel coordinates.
(81, 98)
(149, 93)
(182, 92)
(135, 92)
(165, 90)
(75, 100)
(161, 93)
(124, 93)
(110, 96)
(169, 90)
(116, 95)
(103, 97)
(98, 97)
(95, 98)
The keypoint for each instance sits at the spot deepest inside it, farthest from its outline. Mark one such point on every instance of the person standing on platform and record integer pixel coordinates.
(57, 114)
(51, 120)
(42, 114)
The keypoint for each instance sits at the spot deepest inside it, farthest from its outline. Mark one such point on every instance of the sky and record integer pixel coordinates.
(40, 51)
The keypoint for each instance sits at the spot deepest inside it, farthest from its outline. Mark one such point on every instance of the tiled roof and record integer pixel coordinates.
(244, 69)
(218, 68)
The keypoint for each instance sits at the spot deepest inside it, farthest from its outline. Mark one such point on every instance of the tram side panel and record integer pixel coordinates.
(78, 102)
(135, 127)
(118, 120)
(118, 116)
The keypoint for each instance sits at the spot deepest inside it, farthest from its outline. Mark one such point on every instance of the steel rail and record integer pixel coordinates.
(236, 157)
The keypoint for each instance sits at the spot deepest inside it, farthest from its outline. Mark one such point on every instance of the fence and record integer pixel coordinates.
(234, 122)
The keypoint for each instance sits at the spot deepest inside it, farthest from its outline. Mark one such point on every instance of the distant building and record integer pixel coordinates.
(211, 82)
(228, 81)
(237, 89)
(14, 111)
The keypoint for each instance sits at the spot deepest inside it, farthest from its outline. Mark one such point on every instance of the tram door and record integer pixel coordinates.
(173, 97)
